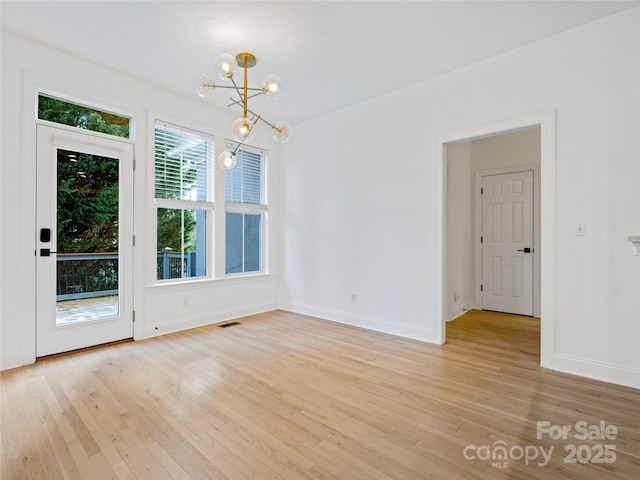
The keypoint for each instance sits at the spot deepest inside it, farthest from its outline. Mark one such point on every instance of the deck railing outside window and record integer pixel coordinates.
(87, 275)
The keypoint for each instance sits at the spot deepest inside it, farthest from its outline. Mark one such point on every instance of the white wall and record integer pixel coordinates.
(27, 65)
(460, 262)
(507, 150)
(358, 189)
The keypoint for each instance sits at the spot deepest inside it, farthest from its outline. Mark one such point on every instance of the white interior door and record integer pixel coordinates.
(84, 264)
(507, 242)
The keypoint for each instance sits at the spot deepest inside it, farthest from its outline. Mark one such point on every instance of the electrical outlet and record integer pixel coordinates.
(185, 301)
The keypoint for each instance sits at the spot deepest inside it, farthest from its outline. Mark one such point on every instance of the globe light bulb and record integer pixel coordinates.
(227, 160)
(199, 85)
(272, 86)
(243, 130)
(225, 66)
(281, 132)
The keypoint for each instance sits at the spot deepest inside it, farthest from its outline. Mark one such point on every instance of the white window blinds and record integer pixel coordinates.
(247, 182)
(182, 169)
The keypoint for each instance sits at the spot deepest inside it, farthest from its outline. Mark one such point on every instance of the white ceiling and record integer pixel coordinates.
(330, 54)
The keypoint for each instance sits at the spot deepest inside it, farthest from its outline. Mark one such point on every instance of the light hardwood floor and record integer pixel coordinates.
(287, 397)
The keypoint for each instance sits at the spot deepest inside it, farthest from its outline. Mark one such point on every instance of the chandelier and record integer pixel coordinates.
(243, 128)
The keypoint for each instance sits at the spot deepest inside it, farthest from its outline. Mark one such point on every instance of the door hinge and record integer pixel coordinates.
(481, 190)
(481, 288)
(133, 316)
(481, 239)
(134, 240)
(134, 164)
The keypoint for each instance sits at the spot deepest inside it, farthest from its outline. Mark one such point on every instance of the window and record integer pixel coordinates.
(67, 113)
(184, 201)
(246, 208)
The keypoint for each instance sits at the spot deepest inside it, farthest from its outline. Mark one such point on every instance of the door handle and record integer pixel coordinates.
(46, 252)
(525, 250)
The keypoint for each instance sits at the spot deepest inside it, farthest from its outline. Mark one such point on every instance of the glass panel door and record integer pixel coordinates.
(84, 266)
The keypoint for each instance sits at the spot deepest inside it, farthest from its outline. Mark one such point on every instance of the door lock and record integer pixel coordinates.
(526, 250)
(45, 235)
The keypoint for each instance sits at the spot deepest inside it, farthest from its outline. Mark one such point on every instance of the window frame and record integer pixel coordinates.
(216, 229)
(263, 209)
(85, 104)
(207, 205)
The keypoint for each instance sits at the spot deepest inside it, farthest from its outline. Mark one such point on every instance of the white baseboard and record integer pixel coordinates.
(365, 322)
(459, 311)
(208, 318)
(620, 375)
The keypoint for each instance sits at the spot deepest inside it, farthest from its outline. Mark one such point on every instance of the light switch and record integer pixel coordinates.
(580, 229)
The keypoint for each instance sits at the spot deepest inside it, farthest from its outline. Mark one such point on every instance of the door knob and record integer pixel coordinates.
(525, 250)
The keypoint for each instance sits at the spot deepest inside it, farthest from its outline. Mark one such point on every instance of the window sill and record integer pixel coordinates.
(235, 279)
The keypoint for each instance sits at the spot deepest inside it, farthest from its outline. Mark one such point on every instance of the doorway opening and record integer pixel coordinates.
(493, 224)
(524, 144)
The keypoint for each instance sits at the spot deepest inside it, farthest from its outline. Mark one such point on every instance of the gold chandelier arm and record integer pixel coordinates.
(257, 117)
(239, 102)
(215, 85)
(234, 102)
(237, 89)
(260, 92)
(268, 123)
(236, 149)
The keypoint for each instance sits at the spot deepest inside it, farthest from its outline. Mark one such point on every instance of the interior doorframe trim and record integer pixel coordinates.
(546, 120)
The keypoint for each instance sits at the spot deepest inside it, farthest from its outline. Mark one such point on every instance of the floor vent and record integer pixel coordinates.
(230, 324)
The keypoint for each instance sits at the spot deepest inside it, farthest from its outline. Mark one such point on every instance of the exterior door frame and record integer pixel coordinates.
(536, 230)
(32, 84)
(546, 120)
